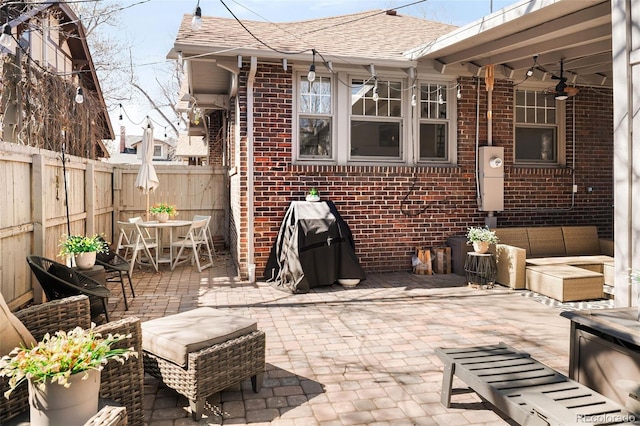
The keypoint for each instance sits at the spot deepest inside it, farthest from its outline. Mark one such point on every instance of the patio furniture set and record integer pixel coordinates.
(567, 263)
(196, 353)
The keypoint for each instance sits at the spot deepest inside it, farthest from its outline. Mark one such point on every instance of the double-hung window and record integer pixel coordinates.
(315, 118)
(434, 122)
(376, 119)
(538, 135)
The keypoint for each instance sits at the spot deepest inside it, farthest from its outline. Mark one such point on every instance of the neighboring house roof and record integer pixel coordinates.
(368, 35)
(83, 65)
(191, 146)
(169, 143)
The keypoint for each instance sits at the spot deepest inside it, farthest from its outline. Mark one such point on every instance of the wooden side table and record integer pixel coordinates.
(480, 269)
(110, 413)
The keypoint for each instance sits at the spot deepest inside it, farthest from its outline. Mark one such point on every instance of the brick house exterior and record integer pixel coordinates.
(393, 207)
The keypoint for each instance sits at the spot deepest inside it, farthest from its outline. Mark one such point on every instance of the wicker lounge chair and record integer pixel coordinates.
(50, 276)
(122, 383)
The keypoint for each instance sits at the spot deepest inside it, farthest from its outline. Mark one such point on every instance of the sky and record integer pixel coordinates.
(150, 27)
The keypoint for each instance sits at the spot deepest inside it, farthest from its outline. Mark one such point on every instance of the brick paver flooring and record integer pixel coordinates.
(360, 356)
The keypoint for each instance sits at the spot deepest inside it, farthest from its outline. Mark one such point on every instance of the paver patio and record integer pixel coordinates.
(358, 356)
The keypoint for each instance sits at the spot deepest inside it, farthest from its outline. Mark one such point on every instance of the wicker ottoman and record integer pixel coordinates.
(203, 351)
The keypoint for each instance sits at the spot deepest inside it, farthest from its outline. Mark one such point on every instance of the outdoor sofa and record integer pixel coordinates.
(567, 263)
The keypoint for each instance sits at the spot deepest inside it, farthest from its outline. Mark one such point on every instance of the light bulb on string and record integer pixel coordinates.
(312, 68)
(440, 99)
(120, 116)
(375, 90)
(196, 22)
(414, 100)
(459, 93)
(79, 96)
(6, 38)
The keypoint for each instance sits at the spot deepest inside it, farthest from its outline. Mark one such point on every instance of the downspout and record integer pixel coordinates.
(478, 195)
(251, 266)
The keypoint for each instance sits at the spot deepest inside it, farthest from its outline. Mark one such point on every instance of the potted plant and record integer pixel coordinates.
(481, 237)
(63, 374)
(163, 211)
(313, 195)
(83, 249)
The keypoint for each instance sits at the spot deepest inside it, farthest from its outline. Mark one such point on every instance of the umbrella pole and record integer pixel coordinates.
(147, 211)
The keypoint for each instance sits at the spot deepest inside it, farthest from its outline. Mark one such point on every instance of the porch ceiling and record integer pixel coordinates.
(578, 32)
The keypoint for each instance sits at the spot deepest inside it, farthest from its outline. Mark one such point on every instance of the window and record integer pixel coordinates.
(434, 122)
(157, 151)
(537, 133)
(315, 118)
(376, 118)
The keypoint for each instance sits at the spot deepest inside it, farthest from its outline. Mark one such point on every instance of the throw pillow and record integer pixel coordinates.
(13, 333)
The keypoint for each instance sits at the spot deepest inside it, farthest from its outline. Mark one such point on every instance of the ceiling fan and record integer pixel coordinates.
(562, 91)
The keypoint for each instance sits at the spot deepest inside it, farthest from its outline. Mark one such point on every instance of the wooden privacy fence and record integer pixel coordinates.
(33, 215)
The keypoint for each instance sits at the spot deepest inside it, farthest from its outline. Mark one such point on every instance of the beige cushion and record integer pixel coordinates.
(516, 237)
(546, 241)
(580, 240)
(175, 336)
(13, 333)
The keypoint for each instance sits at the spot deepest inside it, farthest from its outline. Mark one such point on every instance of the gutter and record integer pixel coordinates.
(251, 266)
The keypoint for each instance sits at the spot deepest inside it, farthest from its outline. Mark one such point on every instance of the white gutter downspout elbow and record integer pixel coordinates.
(250, 188)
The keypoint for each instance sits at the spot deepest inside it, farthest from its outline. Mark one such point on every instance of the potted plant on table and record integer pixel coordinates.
(163, 211)
(481, 237)
(83, 249)
(313, 195)
(63, 374)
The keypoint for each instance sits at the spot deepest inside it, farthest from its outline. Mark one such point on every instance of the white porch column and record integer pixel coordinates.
(625, 21)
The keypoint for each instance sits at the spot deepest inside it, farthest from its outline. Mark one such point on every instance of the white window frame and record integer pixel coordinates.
(399, 120)
(341, 119)
(559, 127)
(297, 115)
(449, 93)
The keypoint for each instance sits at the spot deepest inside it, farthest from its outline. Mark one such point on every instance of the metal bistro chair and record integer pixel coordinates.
(138, 242)
(116, 268)
(59, 281)
(194, 240)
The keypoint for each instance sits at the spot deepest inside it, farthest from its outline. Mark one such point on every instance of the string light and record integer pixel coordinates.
(375, 89)
(312, 68)
(414, 100)
(6, 38)
(79, 95)
(196, 22)
(440, 99)
(120, 116)
(459, 93)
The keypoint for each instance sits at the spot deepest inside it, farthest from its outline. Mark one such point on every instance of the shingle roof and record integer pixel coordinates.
(372, 34)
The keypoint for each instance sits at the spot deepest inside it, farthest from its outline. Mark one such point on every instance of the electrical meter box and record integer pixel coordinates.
(491, 175)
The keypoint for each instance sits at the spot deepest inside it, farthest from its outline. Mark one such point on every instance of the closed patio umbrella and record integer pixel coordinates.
(147, 180)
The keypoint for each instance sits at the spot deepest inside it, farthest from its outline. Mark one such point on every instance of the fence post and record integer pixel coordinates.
(39, 217)
(90, 198)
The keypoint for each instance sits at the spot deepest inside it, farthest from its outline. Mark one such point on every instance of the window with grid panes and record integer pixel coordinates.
(315, 116)
(434, 122)
(376, 124)
(537, 139)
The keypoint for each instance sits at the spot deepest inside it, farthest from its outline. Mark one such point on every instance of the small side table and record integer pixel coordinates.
(96, 273)
(110, 413)
(480, 269)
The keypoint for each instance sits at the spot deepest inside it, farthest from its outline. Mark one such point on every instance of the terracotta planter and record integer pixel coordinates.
(480, 246)
(85, 260)
(162, 217)
(53, 404)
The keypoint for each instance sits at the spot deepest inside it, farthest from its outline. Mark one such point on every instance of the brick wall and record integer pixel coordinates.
(391, 210)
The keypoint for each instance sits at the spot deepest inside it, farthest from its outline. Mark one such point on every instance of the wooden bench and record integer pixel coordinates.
(526, 390)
